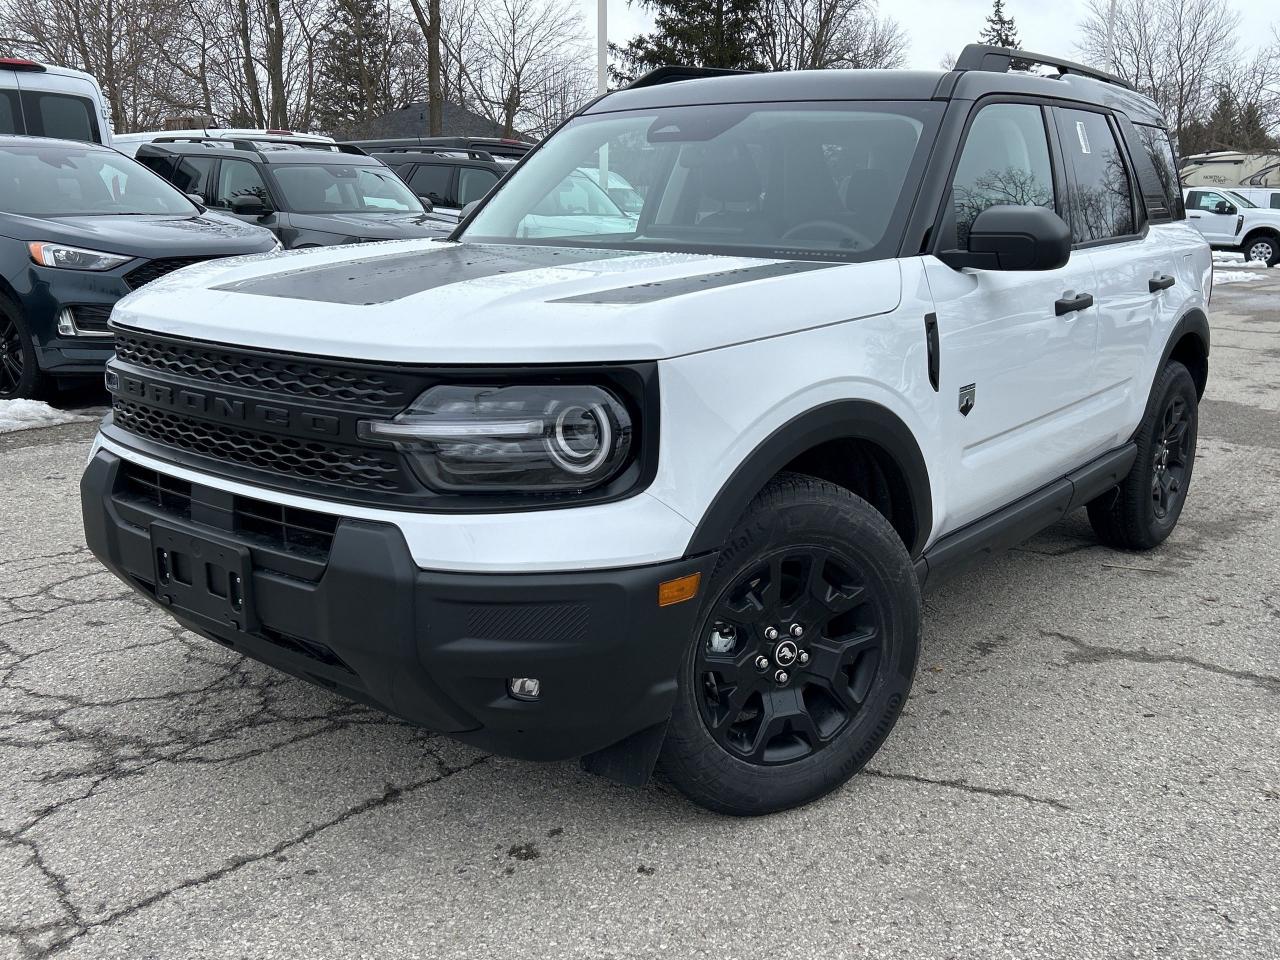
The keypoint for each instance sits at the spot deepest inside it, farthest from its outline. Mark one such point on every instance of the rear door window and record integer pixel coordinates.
(191, 175)
(60, 115)
(1101, 194)
(10, 112)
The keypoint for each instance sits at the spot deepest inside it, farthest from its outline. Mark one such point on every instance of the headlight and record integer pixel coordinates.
(533, 439)
(74, 258)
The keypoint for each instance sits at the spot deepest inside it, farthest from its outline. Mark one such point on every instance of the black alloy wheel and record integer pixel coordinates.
(12, 357)
(792, 653)
(1171, 458)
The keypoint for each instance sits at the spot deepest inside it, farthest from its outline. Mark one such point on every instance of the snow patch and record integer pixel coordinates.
(1224, 257)
(25, 414)
(1234, 276)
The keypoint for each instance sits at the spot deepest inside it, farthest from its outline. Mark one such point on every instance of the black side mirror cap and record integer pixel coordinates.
(1224, 207)
(467, 208)
(1014, 238)
(248, 206)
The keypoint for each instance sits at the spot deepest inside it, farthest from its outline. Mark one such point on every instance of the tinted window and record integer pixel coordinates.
(192, 174)
(239, 178)
(433, 180)
(1005, 161)
(787, 180)
(10, 112)
(1156, 145)
(59, 115)
(474, 183)
(63, 182)
(1101, 197)
(1275, 201)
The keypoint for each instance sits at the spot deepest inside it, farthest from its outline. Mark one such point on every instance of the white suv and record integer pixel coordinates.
(667, 488)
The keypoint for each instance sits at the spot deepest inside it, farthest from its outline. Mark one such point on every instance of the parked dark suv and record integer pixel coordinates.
(494, 146)
(307, 196)
(81, 226)
(449, 178)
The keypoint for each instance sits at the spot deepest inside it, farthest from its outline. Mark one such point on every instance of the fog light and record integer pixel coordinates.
(66, 323)
(524, 688)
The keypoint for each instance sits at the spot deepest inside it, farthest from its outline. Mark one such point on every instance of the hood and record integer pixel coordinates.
(446, 302)
(371, 226)
(148, 236)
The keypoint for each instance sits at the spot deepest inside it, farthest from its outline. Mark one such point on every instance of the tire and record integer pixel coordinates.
(746, 742)
(20, 374)
(1143, 510)
(1262, 248)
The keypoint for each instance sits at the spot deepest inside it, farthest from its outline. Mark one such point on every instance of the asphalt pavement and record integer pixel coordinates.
(1087, 767)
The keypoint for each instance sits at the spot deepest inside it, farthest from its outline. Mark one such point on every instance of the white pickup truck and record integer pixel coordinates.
(1231, 221)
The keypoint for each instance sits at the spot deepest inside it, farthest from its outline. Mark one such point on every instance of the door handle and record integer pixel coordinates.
(1194, 216)
(1156, 284)
(1082, 302)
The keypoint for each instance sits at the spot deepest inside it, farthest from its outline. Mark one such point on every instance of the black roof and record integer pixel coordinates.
(981, 71)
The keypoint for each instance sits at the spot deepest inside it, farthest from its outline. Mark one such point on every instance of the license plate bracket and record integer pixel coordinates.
(204, 574)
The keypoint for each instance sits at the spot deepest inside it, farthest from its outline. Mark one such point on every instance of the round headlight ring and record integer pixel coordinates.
(574, 461)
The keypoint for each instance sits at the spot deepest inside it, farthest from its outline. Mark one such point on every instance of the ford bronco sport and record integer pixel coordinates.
(666, 489)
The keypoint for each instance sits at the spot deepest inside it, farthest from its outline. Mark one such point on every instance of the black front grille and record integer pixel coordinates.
(155, 269)
(314, 460)
(303, 377)
(92, 317)
(171, 495)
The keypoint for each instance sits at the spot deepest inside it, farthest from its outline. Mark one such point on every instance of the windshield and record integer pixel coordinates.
(790, 181)
(343, 188)
(1240, 201)
(62, 181)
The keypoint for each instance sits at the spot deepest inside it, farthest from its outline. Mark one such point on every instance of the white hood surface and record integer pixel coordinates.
(424, 301)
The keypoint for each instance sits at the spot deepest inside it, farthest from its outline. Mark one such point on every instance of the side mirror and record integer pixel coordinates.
(1014, 238)
(466, 210)
(1222, 206)
(248, 206)
(196, 198)
(427, 205)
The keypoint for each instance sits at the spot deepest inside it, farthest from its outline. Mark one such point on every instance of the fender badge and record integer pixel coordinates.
(968, 397)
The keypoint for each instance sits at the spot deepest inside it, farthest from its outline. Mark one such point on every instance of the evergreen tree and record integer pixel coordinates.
(1000, 30)
(692, 33)
(352, 55)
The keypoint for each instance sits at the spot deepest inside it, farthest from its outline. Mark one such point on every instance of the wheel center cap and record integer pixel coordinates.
(785, 653)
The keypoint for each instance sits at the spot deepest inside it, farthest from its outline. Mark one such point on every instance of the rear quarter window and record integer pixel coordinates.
(10, 112)
(1157, 170)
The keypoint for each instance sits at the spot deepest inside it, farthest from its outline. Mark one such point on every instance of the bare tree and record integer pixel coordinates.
(820, 34)
(523, 46)
(1175, 51)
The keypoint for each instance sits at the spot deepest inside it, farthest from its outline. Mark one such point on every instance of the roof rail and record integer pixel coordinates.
(978, 56)
(255, 144)
(443, 151)
(673, 74)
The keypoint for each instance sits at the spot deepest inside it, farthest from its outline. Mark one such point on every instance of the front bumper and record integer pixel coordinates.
(435, 648)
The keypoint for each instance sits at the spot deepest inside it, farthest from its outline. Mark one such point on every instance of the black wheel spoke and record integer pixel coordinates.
(798, 637)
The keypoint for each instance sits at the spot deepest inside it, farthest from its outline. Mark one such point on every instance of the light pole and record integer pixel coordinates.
(602, 46)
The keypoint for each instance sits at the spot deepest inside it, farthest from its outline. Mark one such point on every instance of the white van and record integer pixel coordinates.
(1265, 197)
(45, 101)
(128, 143)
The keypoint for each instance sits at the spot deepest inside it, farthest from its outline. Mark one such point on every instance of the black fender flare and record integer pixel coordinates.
(837, 420)
(1194, 321)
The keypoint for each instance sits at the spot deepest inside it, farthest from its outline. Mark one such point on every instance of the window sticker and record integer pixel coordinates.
(1084, 137)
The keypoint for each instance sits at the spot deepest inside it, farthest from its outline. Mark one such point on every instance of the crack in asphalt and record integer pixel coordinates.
(967, 787)
(1085, 652)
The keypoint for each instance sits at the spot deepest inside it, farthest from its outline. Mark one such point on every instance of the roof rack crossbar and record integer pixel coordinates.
(471, 154)
(978, 56)
(674, 74)
(254, 144)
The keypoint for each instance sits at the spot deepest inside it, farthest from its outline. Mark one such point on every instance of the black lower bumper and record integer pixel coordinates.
(361, 618)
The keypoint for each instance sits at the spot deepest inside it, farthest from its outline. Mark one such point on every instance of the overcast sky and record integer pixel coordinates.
(938, 27)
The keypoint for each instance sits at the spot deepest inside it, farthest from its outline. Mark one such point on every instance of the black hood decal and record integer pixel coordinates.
(678, 287)
(400, 275)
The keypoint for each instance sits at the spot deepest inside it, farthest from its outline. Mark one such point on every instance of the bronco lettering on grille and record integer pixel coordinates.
(216, 407)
